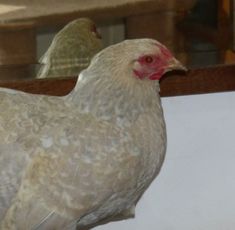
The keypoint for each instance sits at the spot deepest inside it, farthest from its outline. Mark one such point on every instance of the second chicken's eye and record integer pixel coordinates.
(95, 31)
(148, 59)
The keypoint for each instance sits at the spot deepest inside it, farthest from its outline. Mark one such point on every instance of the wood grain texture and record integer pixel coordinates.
(197, 81)
(56, 12)
(17, 44)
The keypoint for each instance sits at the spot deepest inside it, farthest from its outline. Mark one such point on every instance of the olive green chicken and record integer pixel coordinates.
(71, 49)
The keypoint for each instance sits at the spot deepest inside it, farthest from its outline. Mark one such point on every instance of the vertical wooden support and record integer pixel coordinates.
(226, 28)
(233, 22)
(17, 50)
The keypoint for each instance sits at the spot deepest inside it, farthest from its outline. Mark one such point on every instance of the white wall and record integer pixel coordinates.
(196, 187)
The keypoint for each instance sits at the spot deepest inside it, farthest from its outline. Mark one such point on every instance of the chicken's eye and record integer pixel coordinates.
(95, 31)
(148, 59)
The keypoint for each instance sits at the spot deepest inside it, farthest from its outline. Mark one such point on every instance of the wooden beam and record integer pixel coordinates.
(199, 81)
(48, 13)
(196, 81)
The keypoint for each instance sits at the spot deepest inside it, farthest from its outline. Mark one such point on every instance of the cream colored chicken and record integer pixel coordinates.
(85, 158)
(71, 49)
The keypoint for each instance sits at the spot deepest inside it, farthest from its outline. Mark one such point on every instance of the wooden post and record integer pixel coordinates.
(17, 50)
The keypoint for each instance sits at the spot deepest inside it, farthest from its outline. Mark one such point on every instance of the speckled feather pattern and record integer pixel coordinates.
(71, 50)
(86, 157)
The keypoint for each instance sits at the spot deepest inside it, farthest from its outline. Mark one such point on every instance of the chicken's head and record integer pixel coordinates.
(141, 59)
(154, 63)
(124, 78)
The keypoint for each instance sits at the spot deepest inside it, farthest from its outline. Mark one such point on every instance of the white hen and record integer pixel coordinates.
(85, 158)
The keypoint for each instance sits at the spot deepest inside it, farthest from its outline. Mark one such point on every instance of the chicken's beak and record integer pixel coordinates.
(174, 64)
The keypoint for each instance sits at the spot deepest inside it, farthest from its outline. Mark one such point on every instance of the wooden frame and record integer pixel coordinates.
(30, 16)
(196, 81)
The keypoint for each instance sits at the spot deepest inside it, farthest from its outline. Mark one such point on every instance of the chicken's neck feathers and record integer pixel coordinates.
(114, 101)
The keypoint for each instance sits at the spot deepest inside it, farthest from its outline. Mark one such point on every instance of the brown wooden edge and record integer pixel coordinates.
(197, 81)
(102, 13)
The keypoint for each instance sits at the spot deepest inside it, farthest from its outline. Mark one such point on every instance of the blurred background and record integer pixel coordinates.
(199, 32)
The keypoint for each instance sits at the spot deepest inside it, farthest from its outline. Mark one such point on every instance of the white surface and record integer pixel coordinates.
(196, 187)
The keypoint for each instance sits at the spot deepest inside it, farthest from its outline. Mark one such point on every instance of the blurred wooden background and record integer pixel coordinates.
(199, 32)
